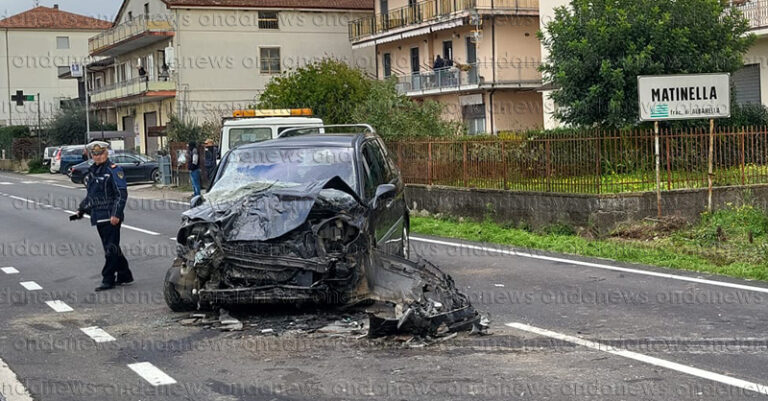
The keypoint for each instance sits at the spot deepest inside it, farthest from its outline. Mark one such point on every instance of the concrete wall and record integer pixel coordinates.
(29, 61)
(601, 213)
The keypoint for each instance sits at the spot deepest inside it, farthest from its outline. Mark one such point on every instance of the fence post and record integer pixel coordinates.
(504, 164)
(669, 165)
(464, 164)
(658, 169)
(597, 162)
(741, 156)
(710, 163)
(548, 158)
(429, 163)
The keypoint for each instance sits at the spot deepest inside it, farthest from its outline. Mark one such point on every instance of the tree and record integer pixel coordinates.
(329, 87)
(179, 130)
(597, 48)
(342, 95)
(68, 126)
(395, 116)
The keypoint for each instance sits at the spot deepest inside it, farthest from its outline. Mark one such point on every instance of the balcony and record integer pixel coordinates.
(130, 35)
(134, 90)
(432, 11)
(511, 75)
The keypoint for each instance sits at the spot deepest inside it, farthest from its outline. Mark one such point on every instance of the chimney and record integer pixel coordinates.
(55, 6)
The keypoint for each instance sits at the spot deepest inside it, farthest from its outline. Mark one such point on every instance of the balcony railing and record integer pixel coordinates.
(755, 11)
(469, 76)
(127, 30)
(131, 87)
(432, 10)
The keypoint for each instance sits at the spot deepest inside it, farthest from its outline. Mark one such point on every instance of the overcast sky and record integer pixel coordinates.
(104, 9)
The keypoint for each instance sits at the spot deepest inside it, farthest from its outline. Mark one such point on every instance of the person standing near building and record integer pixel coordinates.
(210, 159)
(105, 202)
(193, 165)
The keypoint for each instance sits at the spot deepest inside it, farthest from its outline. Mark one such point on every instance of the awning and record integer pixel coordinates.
(363, 44)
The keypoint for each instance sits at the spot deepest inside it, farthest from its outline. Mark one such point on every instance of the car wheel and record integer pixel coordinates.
(405, 252)
(155, 176)
(173, 299)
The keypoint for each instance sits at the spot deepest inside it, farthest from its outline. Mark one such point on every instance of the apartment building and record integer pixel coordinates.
(202, 59)
(34, 46)
(487, 71)
(751, 82)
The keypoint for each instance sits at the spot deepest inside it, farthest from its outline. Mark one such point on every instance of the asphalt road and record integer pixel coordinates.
(562, 328)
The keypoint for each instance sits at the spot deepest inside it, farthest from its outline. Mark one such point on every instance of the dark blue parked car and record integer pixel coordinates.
(70, 156)
(137, 167)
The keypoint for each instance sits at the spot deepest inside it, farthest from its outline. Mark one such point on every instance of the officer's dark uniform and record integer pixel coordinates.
(107, 194)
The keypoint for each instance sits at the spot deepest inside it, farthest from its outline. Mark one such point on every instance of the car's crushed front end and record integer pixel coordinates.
(310, 243)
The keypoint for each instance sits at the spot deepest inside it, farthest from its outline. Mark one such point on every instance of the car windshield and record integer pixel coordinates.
(253, 168)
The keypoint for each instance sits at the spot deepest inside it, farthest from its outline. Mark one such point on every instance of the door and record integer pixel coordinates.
(746, 84)
(130, 135)
(128, 163)
(448, 50)
(385, 218)
(384, 7)
(415, 68)
(472, 60)
(151, 143)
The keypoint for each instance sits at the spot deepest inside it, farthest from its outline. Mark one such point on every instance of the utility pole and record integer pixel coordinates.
(87, 104)
(39, 124)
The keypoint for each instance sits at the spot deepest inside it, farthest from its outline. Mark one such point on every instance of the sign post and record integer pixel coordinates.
(684, 97)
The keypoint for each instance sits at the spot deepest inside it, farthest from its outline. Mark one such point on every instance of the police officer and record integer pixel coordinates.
(105, 202)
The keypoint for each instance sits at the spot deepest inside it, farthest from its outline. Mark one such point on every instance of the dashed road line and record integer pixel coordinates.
(97, 334)
(30, 182)
(595, 265)
(65, 186)
(31, 285)
(5, 183)
(690, 370)
(9, 270)
(151, 374)
(59, 306)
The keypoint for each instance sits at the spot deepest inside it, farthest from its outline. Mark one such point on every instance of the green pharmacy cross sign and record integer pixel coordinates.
(20, 98)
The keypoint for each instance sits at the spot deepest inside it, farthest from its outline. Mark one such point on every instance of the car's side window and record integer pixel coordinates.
(375, 169)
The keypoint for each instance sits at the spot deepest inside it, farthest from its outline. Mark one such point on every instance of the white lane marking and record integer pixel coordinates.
(64, 186)
(13, 389)
(141, 230)
(152, 374)
(59, 306)
(596, 265)
(704, 374)
(173, 238)
(31, 285)
(498, 285)
(97, 334)
(5, 183)
(30, 182)
(9, 270)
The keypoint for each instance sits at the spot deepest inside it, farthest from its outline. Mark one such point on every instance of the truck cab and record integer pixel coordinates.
(251, 126)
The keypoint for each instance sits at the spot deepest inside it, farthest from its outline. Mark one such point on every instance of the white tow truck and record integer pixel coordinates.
(256, 125)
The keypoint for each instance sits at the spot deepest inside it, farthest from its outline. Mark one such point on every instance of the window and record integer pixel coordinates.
(62, 42)
(241, 136)
(387, 61)
(474, 117)
(268, 20)
(746, 84)
(270, 60)
(375, 169)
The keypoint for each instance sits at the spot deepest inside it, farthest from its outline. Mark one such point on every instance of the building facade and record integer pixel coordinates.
(202, 59)
(751, 82)
(478, 58)
(35, 46)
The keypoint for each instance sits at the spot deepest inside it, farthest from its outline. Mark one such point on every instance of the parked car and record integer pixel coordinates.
(68, 156)
(56, 161)
(318, 218)
(137, 168)
(48, 154)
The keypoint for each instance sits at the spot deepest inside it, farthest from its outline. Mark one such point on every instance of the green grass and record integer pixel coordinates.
(691, 248)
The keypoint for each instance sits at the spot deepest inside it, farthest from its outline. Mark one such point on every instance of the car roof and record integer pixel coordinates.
(310, 141)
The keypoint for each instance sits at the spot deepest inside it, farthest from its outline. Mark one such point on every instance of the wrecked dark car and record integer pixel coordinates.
(316, 219)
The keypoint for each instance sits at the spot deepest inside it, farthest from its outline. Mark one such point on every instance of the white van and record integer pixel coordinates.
(253, 128)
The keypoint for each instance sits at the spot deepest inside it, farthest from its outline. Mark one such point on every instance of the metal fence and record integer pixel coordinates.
(590, 163)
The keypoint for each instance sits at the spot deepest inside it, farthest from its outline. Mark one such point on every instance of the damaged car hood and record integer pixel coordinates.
(263, 211)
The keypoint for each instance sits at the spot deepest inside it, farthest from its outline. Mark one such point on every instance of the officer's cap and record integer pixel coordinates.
(97, 147)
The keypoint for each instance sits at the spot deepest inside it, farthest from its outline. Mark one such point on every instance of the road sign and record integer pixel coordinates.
(684, 96)
(20, 98)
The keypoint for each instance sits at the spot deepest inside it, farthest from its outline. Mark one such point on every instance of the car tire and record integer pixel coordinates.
(405, 240)
(173, 299)
(155, 176)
